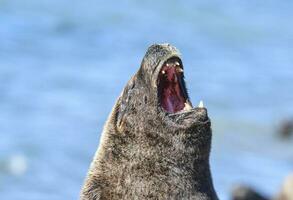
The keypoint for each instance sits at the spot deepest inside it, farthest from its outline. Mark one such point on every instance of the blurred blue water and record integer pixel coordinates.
(63, 64)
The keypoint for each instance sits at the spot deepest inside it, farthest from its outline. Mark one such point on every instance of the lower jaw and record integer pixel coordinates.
(187, 108)
(178, 107)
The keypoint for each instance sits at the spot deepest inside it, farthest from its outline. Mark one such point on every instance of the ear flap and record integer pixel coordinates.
(122, 105)
(119, 116)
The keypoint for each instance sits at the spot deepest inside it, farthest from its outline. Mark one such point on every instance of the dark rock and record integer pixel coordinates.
(246, 193)
(286, 128)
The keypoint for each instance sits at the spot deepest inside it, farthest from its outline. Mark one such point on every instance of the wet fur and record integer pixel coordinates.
(143, 153)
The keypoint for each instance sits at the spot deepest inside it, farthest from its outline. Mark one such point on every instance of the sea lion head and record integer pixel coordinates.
(155, 101)
(154, 143)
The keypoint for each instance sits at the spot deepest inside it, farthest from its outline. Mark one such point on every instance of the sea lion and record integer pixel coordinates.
(243, 192)
(154, 145)
(286, 192)
(286, 128)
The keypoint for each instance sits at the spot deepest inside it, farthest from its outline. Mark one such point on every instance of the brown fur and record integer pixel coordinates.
(145, 153)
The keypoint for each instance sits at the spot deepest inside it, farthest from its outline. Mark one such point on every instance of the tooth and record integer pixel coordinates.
(167, 64)
(177, 63)
(200, 105)
(163, 72)
(187, 106)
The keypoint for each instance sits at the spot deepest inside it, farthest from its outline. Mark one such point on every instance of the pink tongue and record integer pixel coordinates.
(172, 104)
(172, 99)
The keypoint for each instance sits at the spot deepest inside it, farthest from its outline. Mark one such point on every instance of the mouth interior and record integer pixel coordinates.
(171, 87)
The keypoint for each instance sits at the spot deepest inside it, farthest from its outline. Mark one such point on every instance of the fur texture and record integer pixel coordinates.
(146, 153)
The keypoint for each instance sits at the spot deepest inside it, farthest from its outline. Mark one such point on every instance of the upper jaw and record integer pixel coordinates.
(159, 66)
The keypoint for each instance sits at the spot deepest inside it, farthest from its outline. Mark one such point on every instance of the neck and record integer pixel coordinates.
(181, 164)
(160, 164)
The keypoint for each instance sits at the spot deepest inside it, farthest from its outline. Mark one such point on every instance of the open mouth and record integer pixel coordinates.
(173, 97)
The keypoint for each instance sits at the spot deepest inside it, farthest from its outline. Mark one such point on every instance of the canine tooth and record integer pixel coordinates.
(187, 106)
(163, 72)
(180, 70)
(177, 63)
(167, 64)
(200, 105)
